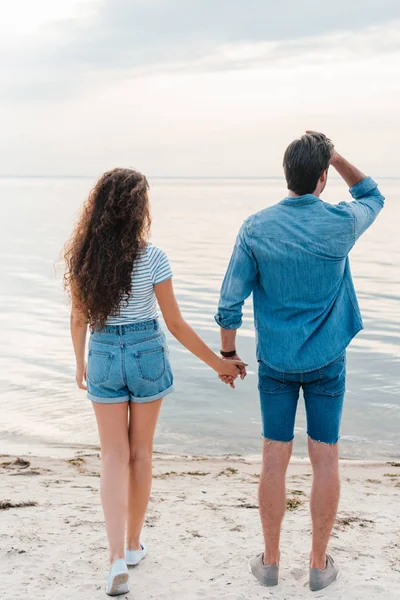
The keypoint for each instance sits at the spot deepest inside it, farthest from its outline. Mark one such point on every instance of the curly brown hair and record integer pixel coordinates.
(113, 227)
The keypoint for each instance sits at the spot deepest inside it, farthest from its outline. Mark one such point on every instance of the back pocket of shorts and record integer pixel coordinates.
(99, 365)
(269, 381)
(333, 377)
(151, 364)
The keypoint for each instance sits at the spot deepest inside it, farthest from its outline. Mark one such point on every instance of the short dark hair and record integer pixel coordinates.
(304, 162)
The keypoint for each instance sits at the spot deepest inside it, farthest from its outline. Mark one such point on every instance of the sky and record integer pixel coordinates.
(195, 87)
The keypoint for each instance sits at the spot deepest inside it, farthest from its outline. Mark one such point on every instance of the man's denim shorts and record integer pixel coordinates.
(323, 392)
(128, 363)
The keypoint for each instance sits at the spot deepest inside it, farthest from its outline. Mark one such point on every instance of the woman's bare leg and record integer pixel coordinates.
(112, 422)
(142, 425)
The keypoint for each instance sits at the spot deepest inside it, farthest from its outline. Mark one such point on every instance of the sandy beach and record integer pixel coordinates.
(202, 527)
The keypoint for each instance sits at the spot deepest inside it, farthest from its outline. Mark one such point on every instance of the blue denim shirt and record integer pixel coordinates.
(293, 257)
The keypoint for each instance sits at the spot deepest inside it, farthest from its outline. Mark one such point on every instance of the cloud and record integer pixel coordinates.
(128, 33)
(130, 36)
(200, 91)
(316, 50)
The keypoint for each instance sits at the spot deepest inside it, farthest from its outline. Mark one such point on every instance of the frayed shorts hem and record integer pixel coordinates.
(268, 438)
(329, 443)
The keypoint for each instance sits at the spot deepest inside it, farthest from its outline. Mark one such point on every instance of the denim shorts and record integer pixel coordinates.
(128, 363)
(323, 392)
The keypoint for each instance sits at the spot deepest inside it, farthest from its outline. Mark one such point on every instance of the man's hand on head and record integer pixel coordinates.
(324, 139)
(319, 135)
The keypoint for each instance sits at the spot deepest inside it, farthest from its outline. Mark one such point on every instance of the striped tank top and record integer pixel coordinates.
(151, 267)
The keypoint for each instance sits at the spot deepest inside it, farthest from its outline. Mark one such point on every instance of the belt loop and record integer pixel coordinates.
(120, 329)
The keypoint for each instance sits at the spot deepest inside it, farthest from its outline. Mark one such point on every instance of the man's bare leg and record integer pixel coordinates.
(272, 495)
(325, 495)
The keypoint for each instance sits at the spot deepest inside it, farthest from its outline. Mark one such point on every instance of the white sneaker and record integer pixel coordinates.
(117, 580)
(133, 557)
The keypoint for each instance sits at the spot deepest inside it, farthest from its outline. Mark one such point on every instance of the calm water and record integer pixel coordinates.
(195, 221)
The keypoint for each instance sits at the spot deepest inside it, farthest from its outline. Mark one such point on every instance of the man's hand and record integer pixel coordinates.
(334, 158)
(346, 170)
(324, 139)
(230, 380)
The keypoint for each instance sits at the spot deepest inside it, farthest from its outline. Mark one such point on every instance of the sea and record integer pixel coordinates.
(195, 221)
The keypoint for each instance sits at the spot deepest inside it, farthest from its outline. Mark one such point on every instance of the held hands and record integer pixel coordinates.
(81, 376)
(232, 368)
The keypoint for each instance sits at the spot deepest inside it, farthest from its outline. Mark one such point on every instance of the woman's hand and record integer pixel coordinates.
(81, 376)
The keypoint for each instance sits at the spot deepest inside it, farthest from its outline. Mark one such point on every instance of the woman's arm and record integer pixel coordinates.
(78, 328)
(185, 334)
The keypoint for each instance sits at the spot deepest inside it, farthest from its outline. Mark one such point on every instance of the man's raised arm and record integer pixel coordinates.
(346, 170)
(368, 201)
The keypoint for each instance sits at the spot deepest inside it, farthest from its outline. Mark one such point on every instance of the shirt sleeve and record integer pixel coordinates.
(160, 268)
(238, 284)
(367, 204)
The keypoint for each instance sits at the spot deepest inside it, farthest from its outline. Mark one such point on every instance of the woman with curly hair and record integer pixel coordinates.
(115, 276)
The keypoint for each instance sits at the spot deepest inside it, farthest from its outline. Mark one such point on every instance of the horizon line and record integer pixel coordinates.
(187, 177)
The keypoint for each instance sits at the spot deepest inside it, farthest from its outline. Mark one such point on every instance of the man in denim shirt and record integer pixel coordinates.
(293, 258)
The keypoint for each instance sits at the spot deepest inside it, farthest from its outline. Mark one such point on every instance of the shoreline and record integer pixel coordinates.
(202, 527)
(82, 451)
(59, 450)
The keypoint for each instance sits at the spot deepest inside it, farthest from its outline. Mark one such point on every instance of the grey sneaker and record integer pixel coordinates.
(321, 578)
(266, 574)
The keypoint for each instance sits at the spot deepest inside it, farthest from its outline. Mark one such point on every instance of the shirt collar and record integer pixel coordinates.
(300, 200)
